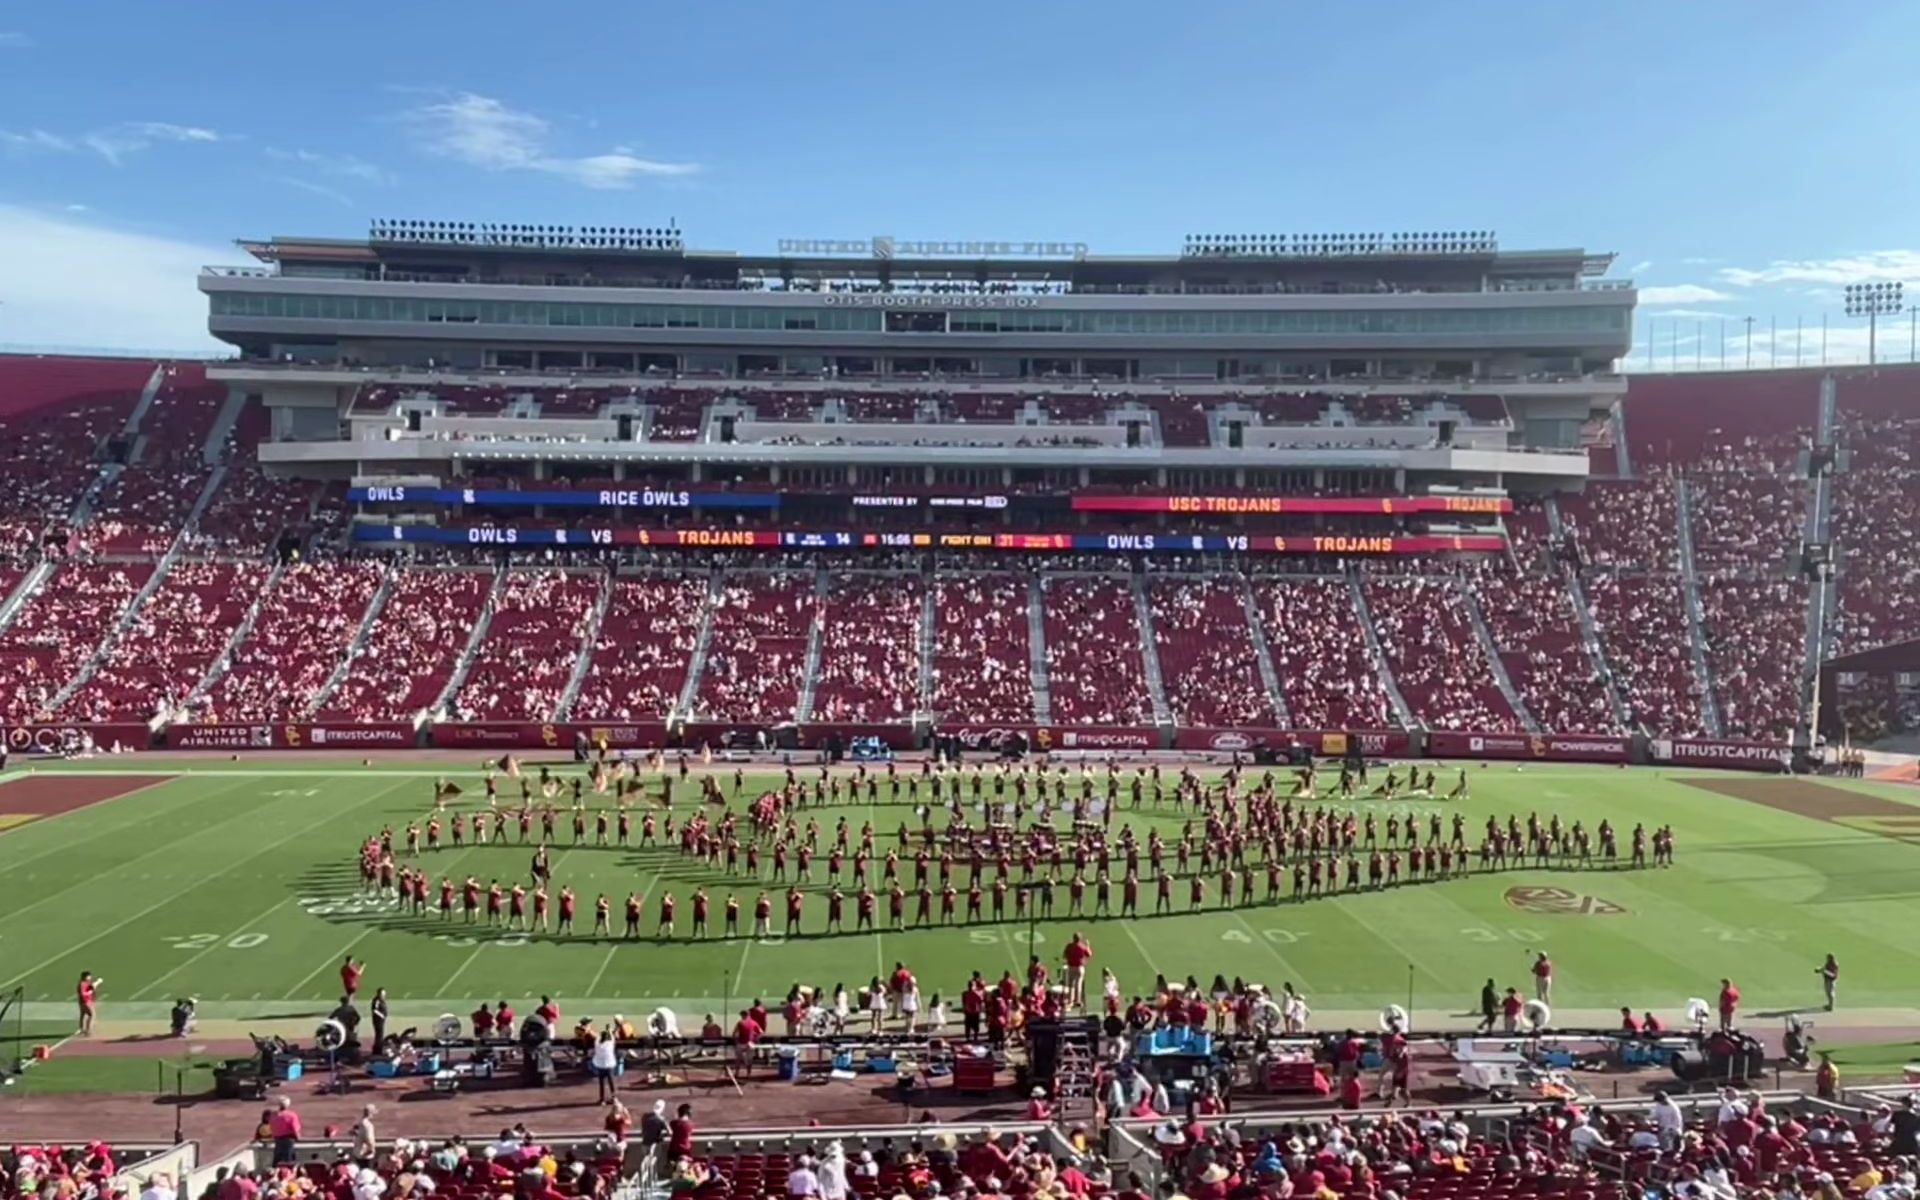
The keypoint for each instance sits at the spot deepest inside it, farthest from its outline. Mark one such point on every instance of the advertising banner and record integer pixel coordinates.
(1374, 743)
(59, 737)
(261, 735)
(1042, 739)
(771, 539)
(1553, 747)
(1708, 752)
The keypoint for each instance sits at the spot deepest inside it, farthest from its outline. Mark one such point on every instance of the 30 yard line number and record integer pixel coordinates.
(207, 941)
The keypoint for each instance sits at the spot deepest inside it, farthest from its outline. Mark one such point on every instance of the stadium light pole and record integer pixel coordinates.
(1749, 321)
(1873, 301)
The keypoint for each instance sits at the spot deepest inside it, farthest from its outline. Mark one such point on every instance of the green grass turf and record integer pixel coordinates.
(236, 883)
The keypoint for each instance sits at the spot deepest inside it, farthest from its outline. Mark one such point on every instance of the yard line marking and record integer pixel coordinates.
(1141, 947)
(457, 971)
(197, 881)
(1261, 938)
(216, 944)
(597, 975)
(341, 953)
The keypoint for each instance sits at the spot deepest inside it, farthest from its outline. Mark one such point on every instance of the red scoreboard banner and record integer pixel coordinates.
(1267, 505)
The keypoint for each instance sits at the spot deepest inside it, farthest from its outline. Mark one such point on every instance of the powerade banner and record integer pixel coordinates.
(577, 498)
(771, 539)
(1265, 505)
(1558, 747)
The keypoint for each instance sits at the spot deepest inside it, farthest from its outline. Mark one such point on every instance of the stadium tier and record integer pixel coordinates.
(1200, 500)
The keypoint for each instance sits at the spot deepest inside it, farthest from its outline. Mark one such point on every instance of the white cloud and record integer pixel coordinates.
(1700, 262)
(115, 142)
(1682, 293)
(317, 189)
(1641, 267)
(71, 282)
(14, 40)
(1691, 314)
(482, 132)
(35, 139)
(340, 166)
(1871, 267)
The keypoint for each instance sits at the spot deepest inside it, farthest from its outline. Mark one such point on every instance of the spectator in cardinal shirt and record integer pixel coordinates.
(746, 1032)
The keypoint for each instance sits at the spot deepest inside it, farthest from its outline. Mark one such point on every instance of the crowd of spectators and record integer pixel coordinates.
(58, 629)
(1208, 667)
(411, 647)
(757, 648)
(1643, 625)
(299, 637)
(175, 637)
(1436, 658)
(1319, 652)
(520, 669)
(1095, 674)
(1533, 623)
(645, 643)
(982, 652)
(1755, 635)
(869, 667)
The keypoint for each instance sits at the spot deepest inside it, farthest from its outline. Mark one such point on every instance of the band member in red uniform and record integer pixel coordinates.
(796, 900)
(567, 903)
(665, 927)
(601, 909)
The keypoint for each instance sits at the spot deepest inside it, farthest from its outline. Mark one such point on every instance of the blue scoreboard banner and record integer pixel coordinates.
(563, 498)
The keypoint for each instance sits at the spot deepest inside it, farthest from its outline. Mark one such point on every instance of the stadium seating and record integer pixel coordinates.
(1625, 525)
(1206, 654)
(869, 649)
(1746, 519)
(1532, 621)
(757, 648)
(304, 627)
(58, 629)
(1756, 642)
(250, 508)
(412, 648)
(646, 641)
(982, 665)
(1319, 652)
(1436, 659)
(1643, 628)
(1095, 675)
(174, 638)
(521, 667)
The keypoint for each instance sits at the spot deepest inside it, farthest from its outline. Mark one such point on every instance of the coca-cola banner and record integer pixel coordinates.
(1707, 752)
(66, 738)
(1552, 747)
(1046, 738)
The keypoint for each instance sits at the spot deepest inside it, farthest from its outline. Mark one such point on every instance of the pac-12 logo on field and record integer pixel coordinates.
(1559, 902)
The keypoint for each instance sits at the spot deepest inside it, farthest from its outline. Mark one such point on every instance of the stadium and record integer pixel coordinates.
(1015, 719)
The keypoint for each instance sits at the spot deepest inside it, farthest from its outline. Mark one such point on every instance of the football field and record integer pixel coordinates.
(236, 882)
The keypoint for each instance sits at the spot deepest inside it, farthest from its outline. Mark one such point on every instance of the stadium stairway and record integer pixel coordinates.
(1823, 597)
(133, 606)
(583, 658)
(23, 591)
(223, 422)
(1590, 639)
(475, 636)
(1470, 604)
(1263, 653)
(810, 672)
(1696, 617)
(1037, 651)
(1150, 652)
(152, 389)
(697, 661)
(223, 662)
(1376, 654)
(927, 642)
(358, 645)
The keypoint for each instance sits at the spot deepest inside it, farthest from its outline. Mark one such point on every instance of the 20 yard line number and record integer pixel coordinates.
(208, 941)
(1279, 937)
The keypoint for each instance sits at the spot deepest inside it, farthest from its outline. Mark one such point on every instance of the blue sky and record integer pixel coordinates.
(1742, 159)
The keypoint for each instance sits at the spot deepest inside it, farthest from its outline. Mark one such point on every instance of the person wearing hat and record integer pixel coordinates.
(1211, 1183)
(1037, 1107)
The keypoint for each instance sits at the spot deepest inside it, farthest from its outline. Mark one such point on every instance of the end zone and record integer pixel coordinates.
(28, 798)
